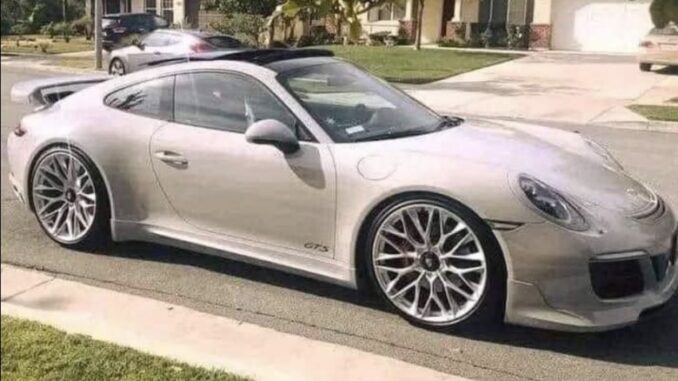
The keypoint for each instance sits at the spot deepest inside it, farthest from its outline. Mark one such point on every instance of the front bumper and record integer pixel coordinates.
(551, 283)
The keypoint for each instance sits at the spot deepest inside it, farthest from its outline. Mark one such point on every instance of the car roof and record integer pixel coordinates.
(192, 32)
(123, 15)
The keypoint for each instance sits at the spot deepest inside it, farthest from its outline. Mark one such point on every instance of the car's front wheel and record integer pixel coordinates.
(117, 67)
(69, 198)
(436, 262)
(645, 66)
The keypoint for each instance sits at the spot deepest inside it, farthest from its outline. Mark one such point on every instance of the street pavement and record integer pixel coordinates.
(328, 313)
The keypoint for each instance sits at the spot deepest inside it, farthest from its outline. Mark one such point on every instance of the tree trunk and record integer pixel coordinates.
(420, 16)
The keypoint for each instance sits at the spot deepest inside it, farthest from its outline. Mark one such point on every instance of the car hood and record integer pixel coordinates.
(563, 160)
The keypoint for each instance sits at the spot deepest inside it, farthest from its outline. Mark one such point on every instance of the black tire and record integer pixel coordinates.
(122, 67)
(99, 233)
(645, 66)
(490, 310)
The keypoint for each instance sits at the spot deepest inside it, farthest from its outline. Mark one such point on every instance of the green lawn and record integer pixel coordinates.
(404, 64)
(32, 351)
(665, 113)
(31, 44)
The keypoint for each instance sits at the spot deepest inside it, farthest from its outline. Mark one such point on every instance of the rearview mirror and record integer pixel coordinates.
(272, 132)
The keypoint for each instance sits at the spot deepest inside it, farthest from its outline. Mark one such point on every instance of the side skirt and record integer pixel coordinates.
(322, 269)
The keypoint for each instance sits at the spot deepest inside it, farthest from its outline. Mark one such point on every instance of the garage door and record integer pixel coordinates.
(599, 25)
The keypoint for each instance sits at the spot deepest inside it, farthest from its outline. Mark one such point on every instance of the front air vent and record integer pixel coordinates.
(617, 279)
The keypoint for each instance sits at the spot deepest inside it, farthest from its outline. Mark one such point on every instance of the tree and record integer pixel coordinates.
(258, 7)
(663, 12)
(344, 11)
(419, 18)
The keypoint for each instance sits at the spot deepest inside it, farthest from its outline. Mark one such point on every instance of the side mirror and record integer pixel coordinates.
(272, 132)
(136, 42)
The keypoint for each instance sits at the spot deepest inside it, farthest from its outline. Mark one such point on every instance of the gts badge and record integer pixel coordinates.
(317, 247)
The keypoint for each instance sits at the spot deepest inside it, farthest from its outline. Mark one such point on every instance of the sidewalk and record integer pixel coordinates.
(559, 87)
(193, 337)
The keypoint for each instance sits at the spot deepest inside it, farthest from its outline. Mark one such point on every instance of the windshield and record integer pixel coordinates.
(353, 106)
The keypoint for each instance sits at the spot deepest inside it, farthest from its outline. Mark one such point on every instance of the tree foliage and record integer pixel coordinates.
(243, 26)
(253, 7)
(344, 11)
(663, 12)
(33, 14)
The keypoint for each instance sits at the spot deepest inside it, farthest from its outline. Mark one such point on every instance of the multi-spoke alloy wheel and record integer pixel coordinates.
(117, 67)
(64, 196)
(430, 262)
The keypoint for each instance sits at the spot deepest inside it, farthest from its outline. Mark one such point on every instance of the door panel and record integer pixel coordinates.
(254, 192)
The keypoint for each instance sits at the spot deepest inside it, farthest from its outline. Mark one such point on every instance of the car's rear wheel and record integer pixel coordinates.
(645, 66)
(117, 67)
(69, 198)
(436, 262)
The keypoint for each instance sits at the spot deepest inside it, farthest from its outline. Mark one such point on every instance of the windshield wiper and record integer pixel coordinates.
(393, 135)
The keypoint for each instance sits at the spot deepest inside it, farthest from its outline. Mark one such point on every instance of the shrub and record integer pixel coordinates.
(453, 42)
(320, 35)
(377, 39)
(84, 26)
(44, 46)
(64, 29)
(48, 30)
(245, 27)
(20, 29)
(517, 36)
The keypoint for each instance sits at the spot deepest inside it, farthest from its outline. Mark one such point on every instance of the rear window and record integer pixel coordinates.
(108, 22)
(224, 42)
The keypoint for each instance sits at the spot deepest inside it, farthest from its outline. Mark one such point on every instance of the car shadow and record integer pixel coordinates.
(650, 342)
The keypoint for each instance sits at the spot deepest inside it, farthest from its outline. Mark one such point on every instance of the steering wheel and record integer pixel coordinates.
(361, 114)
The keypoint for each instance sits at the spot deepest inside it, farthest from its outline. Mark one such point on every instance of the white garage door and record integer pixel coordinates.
(599, 25)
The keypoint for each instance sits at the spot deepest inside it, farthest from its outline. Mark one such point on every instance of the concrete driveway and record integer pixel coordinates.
(574, 88)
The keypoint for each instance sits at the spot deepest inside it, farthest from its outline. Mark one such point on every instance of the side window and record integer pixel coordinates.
(154, 40)
(151, 98)
(225, 101)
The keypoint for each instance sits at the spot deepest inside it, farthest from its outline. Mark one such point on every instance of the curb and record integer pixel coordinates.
(650, 126)
(193, 337)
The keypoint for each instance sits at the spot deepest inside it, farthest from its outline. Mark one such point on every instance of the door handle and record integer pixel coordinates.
(156, 53)
(171, 157)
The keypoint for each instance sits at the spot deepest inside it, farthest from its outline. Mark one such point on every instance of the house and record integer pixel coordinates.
(581, 25)
(183, 12)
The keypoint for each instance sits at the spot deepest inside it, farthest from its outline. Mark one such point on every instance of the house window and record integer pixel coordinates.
(386, 12)
(168, 10)
(151, 6)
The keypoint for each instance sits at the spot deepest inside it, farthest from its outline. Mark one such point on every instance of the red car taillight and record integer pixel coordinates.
(201, 47)
(646, 44)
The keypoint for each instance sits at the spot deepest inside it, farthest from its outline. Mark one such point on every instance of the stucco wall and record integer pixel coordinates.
(432, 21)
(542, 12)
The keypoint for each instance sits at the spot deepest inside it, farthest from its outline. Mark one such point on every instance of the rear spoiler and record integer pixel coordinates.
(44, 92)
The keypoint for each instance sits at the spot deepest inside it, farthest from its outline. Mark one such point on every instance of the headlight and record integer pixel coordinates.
(553, 205)
(605, 154)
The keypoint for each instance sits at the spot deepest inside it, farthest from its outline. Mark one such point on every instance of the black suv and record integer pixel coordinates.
(118, 26)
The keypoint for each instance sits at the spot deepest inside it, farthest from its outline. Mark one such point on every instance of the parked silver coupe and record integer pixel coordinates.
(303, 162)
(659, 47)
(166, 44)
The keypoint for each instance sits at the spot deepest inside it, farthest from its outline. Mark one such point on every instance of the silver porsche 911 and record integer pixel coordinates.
(303, 162)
